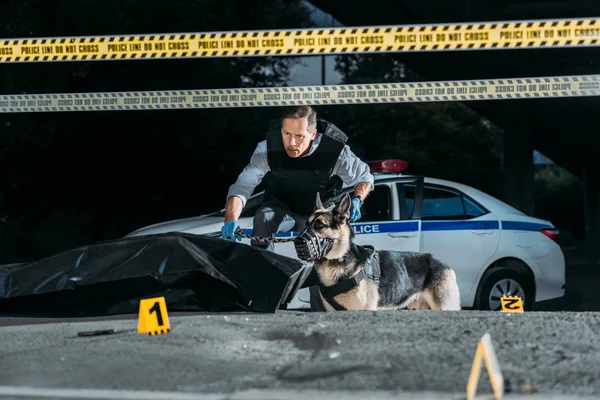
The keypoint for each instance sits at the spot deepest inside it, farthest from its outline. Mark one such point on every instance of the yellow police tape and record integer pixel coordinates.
(496, 89)
(576, 32)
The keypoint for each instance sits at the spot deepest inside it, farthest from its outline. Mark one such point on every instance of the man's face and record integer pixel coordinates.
(296, 137)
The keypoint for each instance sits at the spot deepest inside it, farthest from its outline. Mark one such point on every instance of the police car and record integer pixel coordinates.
(495, 249)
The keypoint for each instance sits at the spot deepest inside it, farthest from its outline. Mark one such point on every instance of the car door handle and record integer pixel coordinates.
(402, 234)
(482, 232)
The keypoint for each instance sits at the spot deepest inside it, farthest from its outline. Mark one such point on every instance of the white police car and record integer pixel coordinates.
(495, 249)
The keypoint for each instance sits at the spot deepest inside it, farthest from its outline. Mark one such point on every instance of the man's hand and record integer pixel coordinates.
(228, 230)
(355, 210)
(362, 189)
(233, 210)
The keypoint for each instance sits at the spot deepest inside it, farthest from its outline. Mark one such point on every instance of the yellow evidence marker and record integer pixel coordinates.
(485, 350)
(511, 304)
(153, 318)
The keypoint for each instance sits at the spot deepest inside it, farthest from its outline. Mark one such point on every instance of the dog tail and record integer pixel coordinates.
(443, 293)
(453, 295)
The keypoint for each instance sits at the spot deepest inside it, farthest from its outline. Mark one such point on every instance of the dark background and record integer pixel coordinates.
(70, 179)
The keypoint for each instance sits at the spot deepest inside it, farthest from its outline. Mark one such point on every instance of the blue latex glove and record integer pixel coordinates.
(228, 230)
(355, 210)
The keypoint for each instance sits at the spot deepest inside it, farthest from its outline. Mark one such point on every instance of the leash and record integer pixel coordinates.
(262, 239)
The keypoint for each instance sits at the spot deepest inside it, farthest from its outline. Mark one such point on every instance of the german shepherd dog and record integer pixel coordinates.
(353, 277)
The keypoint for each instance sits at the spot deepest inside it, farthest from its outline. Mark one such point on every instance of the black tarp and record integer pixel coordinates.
(192, 272)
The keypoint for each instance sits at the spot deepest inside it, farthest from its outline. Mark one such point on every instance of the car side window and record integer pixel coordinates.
(440, 203)
(377, 206)
(406, 199)
(472, 210)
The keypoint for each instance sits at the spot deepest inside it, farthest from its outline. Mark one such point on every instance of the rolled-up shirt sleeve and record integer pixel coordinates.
(351, 169)
(251, 175)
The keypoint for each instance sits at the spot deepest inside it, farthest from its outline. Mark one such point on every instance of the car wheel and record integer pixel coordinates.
(504, 281)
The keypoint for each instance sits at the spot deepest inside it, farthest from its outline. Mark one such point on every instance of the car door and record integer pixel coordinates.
(458, 231)
(385, 223)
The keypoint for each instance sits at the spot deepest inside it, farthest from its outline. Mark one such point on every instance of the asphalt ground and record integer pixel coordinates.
(295, 354)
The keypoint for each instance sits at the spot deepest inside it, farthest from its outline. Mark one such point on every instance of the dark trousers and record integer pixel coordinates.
(273, 217)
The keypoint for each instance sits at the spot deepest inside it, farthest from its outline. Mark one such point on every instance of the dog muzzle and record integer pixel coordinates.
(310, 247)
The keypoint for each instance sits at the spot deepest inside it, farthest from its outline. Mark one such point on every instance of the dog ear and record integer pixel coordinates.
(343, 207)
(318, 203)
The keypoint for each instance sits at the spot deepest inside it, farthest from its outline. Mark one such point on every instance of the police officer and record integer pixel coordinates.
(302, 155)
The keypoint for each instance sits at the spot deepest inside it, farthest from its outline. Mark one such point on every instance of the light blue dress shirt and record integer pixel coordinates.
(351, 170)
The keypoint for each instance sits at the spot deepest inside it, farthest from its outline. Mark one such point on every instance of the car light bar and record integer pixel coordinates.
(393, 165)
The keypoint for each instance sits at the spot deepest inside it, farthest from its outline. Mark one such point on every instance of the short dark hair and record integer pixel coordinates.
(301, 112)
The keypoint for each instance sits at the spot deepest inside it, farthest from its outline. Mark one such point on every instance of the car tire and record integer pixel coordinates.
(502, 280)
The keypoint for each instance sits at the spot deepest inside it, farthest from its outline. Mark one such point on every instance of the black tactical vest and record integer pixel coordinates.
(296, 181)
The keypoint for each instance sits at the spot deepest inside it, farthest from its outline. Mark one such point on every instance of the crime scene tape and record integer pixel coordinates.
(576, 32)
(497, 89)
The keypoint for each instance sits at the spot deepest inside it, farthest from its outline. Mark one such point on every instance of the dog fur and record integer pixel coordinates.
(408, 279)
